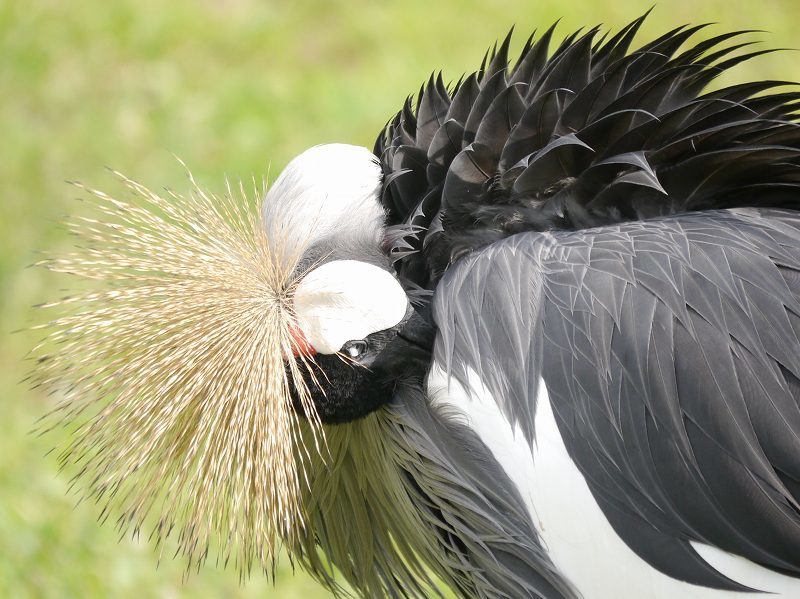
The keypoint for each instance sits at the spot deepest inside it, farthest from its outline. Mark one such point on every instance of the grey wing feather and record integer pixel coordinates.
(670, 349)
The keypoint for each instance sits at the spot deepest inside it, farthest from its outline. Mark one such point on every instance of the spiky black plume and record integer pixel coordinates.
(590, 135)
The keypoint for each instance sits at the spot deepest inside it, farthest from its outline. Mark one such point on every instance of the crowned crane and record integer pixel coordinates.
(542, 341)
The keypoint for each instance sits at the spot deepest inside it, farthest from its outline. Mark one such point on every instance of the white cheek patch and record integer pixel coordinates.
(344, 300)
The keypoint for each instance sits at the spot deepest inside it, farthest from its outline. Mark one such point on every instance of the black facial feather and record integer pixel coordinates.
(591, 135)
(347, 389)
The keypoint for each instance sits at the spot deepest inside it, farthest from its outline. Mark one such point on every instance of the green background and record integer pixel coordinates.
(232, 87)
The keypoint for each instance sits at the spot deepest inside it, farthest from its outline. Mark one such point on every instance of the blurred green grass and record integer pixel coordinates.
(233, 87)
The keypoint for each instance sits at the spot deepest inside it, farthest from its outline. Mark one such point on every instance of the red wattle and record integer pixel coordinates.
(300, 345)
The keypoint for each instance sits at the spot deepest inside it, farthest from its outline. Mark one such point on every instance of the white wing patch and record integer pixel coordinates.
(572, 527)
(748, 573)
(346, 300)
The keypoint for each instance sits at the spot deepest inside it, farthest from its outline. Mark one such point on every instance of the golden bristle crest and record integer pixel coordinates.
(174, 366)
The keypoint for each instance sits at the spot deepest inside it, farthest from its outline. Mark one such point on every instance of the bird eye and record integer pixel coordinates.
(354, 349)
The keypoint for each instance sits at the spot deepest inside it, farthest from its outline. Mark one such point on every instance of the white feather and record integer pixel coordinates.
(578, 537)
(327, 191)
(747, 573)
(345, 300)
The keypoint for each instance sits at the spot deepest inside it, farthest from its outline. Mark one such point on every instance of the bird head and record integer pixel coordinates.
(351, 310)
(210, 341)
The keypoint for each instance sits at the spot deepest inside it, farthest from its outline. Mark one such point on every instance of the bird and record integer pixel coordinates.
(541, 340)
